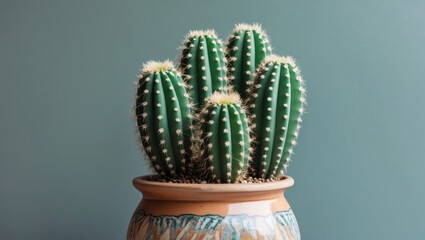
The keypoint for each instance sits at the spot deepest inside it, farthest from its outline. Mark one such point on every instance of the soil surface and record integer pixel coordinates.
(194, 180)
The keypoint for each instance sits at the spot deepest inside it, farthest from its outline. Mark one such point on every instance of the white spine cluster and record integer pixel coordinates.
(155, 66)
(250, 27)
(198, 33)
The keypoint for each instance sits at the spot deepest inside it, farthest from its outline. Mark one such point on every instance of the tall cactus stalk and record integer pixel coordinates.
(164, 118)
(246, 49)
(203, 65)
(225, 136)
(276, 104)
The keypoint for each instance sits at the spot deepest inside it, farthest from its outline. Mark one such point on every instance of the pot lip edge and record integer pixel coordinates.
(141, 184)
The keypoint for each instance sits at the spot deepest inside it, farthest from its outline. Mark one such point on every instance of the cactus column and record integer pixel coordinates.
(276, 105)
(203, 65)
(246, 49)
(163, 117)
(225, 136)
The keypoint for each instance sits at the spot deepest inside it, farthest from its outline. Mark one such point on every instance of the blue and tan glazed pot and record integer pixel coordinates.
(213, 211)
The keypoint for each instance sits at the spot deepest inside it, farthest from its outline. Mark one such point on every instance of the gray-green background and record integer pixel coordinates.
(68, 149)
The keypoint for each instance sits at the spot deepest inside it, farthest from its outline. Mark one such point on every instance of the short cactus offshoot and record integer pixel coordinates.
(203, 65)
(225, 138)
(246, 49)
(276, 104)
(164, 118)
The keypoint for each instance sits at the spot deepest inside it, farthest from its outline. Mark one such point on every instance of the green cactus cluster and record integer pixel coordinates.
(227, 112)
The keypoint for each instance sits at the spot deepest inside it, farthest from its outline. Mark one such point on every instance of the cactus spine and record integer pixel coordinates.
(203, 65)
(246, 49)
(164, 117)
(277, 103)
(225, 137)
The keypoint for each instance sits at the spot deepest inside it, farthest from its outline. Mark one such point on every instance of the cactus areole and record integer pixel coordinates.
(224, 113)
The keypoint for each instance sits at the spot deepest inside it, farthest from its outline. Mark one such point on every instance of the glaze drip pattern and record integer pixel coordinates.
(281, 225)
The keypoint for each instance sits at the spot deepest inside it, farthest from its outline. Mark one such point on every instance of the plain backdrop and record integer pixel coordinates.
(68, 147)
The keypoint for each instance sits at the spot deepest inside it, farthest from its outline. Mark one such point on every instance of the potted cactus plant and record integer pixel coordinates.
(219, 131)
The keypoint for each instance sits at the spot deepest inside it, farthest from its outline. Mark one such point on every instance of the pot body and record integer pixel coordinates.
(213, 211)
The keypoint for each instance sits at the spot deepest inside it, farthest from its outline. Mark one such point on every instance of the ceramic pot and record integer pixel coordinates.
(213, 211)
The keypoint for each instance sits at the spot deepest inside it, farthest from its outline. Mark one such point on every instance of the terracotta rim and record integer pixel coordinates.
(142, 184)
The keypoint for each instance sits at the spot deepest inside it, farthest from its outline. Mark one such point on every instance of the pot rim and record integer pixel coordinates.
(142, 184)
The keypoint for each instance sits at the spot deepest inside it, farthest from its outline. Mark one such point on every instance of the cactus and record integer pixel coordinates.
(225, 137)
(246, 49)
(276, 104)
(163, 114)
(270, 85)
(203, 65)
